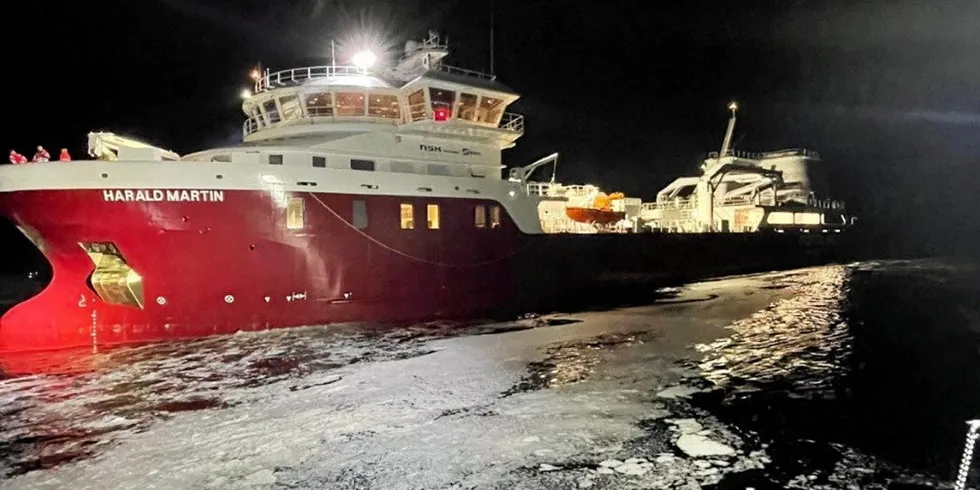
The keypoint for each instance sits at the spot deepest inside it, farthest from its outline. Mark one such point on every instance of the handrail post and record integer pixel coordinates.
(967, 460)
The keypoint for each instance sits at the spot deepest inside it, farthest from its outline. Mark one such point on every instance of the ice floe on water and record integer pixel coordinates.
(602, 400)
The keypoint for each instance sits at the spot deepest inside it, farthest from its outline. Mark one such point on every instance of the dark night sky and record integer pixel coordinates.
(630, 93)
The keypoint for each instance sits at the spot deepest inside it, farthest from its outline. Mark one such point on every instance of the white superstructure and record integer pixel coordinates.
(736, 192)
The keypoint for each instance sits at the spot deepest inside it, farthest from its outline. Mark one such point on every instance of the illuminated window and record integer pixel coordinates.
(320, 104)
(360, 216)
(383, 106)
(416, 105)
(407, 216)
(780, 218)
(294, 213)
(481, 216)
(271, 112)
(442, 99)
(432, 216)
(350, 103)
(290, 107)
(466, 107)
(494, 216)
(490, 110)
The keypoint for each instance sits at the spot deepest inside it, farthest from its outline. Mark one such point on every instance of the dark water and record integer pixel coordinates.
(880, 361)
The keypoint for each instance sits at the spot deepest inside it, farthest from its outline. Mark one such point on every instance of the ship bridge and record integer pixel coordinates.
(419, 95)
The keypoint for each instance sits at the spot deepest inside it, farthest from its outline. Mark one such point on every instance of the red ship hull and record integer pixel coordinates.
(208, 268)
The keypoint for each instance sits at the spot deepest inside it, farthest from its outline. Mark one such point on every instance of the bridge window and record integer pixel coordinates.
(320, 104)
(360, 216)
(432, 216)
(294, 213)
(442, 99)
(362, 165)
(320, 162)
(255, 113)
(403, 167)
(350, 104)
(407, 216)
(290, 107)
(481, 216)
(384, 106)
(494, 216)
(416, 105)
(490, 110)
(467, 107)
(275, 159)
(271, 112)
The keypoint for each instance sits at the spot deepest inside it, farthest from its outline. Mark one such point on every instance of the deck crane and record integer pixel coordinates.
(520, 174)
(106, 146)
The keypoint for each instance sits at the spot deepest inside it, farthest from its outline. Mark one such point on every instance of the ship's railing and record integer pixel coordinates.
(295, 76)
(672, 204)
(463, 72)
(513, 123)
(738, 201)
(748, 155)
(559, 190)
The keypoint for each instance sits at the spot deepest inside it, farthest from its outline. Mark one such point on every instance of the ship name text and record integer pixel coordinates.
(155, 195)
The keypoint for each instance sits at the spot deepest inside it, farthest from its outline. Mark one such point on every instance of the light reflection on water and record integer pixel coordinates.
(802, 342)
(87, 400)
(865, 360)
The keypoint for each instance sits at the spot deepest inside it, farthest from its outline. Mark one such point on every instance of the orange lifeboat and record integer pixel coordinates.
(600, 212)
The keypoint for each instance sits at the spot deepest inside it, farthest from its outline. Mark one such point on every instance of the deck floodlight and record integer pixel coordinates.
(364, 60)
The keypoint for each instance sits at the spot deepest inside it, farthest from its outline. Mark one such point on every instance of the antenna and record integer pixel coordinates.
(491, 39)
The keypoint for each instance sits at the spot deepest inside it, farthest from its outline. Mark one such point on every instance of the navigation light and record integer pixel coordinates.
(440, 114)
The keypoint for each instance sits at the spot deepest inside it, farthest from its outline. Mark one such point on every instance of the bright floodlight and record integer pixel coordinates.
(364, 60)
(733, 106)
(246, 93)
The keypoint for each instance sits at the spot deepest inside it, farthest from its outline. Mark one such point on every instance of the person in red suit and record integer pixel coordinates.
(64, 156)
(42, 155)
(17, 157)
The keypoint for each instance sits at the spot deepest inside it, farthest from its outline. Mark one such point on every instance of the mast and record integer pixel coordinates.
(733, 106)
(725, 145)
(492, 74)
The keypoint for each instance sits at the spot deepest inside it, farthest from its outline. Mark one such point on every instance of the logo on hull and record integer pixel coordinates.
(439, 149)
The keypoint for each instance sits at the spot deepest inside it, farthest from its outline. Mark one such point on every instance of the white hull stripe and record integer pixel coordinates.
(222, 176)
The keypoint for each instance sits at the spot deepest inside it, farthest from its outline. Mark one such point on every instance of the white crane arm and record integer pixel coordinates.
(106, 146)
